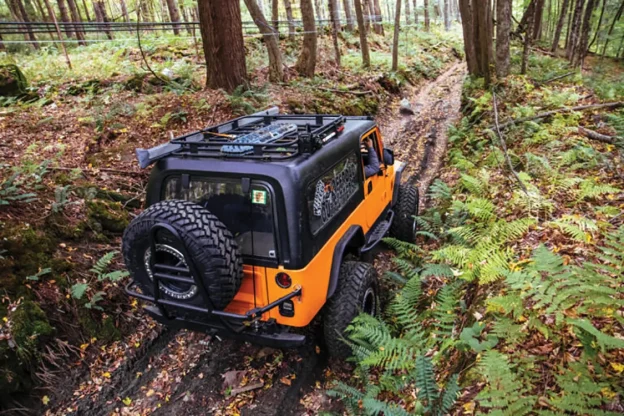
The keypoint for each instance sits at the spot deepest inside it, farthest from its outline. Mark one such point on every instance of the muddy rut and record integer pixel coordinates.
(194, 374)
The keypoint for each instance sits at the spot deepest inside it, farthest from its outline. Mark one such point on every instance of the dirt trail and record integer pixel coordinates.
(421, 139)
(193, 374)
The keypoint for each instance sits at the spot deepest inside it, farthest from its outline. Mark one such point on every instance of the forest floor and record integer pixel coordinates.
(67, 165)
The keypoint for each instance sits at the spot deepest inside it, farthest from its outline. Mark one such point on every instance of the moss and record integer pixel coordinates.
(29, 325)
(66, 230)
(109, 332)
(29, 249)
(105, 331)
(110, 216)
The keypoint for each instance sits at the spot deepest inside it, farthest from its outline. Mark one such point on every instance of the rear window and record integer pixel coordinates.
(249, 218)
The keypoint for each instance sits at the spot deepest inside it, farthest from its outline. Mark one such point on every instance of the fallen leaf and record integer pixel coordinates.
(45, 400)
(127, 401)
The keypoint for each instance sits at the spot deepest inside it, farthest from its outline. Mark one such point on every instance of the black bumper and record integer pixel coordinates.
(267, 333)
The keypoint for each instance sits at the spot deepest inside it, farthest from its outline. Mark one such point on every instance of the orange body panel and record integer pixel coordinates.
(314, 278)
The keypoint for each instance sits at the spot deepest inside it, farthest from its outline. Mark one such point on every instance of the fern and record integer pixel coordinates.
(590, 189)
(101, 266)
(577, 227)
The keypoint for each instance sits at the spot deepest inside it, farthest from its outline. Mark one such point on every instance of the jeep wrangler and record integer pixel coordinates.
(257, 225)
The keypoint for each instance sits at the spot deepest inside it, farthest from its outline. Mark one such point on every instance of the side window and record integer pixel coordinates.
(331, 192)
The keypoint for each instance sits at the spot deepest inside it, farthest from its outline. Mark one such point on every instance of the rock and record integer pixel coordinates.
(406, 107)
(12, 81)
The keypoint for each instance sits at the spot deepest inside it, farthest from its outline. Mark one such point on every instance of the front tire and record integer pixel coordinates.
(404, 224)
(357, 292)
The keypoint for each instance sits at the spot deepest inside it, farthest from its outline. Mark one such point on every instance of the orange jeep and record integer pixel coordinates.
(257, 225)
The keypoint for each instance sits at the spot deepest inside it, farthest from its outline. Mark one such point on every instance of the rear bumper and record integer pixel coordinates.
(267, 333)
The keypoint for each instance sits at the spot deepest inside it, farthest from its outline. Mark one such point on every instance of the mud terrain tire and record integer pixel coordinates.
(404, 226)
(209, 243)
(357, 288)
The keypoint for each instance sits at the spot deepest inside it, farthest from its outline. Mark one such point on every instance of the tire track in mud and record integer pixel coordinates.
(421, 139)
(183, 372)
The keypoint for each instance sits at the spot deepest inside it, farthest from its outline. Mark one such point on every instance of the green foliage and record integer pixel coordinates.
(245, 100)
(11, 190)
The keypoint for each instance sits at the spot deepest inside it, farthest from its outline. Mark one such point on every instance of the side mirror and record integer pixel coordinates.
(388, 157)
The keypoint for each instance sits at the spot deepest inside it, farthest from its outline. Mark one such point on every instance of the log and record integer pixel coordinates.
(613, 105)
(357, 93)
(590, 134)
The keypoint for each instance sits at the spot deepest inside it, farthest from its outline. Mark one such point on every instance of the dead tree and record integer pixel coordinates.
(306, 63)
(362, 30)
(270, 36)
(222, 35)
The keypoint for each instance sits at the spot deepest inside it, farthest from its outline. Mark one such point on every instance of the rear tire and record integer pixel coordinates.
(357, 292)
(404, 225)
(209, 244)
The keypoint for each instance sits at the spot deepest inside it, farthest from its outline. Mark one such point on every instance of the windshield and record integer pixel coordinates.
(243, 215)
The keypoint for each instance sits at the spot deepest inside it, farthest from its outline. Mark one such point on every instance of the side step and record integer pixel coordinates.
(378, 233)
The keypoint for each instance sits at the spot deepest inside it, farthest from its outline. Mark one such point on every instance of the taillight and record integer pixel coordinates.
(283, 280)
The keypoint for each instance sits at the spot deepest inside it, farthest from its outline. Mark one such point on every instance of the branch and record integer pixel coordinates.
(556, 78)
(358, 93)
(617, 104)
(590, 134)
(504, 146)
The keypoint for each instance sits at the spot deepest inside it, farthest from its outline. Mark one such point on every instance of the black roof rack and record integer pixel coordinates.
(311, 133)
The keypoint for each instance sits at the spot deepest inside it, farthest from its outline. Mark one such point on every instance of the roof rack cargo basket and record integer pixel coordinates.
(266, 135)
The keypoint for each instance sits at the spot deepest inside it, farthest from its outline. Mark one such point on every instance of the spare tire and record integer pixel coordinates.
(209, 245)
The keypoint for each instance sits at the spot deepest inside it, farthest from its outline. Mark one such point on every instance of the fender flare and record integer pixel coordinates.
(351, 241)
(398, 172)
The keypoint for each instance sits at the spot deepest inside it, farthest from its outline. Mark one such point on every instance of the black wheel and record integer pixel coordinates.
(208, 242)
(357, 292)
(404, 225)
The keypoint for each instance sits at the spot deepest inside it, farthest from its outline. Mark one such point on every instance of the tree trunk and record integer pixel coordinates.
(335, 17)
(86, 10)
(482, 22)
(559, 28)
(528, 34)
(306, 63)
(579, 56)
(395, 42)
(447, 15)
(367, 15)
(44, 17)
(537, 19)
(222, 35)
(186, 16)
(100, 12)
(617, 17)
(275, 14)
(575, 29)
(124, 11)
(427, 22)
(465, 9)
(270, 37)
(65, 18)
(318, 9)
(378, 17)
(291, 24)
(73, 8)
(415, 13)
(408, 13)
(362, 30)
(503, 30)
(174, 16)
(602, 10)
(1, 43)
(24, 17)
(348, 15)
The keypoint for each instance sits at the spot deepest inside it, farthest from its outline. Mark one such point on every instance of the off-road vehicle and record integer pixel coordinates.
(257, 225)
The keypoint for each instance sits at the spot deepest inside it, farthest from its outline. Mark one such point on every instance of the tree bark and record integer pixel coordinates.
(318, 9)
(289, 17)
(395, 42)
(559, 28)
(348, 15)
(86, 9)
(575, 29)
(306, 63)
(581, 51)
(503, 30)
(58, 32)
(617, 17)
(408, 13)
(23, 14)
(465, 9)
(482, 19)
(73, 8)
(275, 14)
(415, 8)
(65, 17)
(427, 22)
(447, 15)
(528, 35)
(378, 17)
(602, 10)
(174, 16)
(367, 14)
(222, 35)
(362, 30)
(100, 12)
(335, 17)
(270, 37)
(124, 11)
(537, 19)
